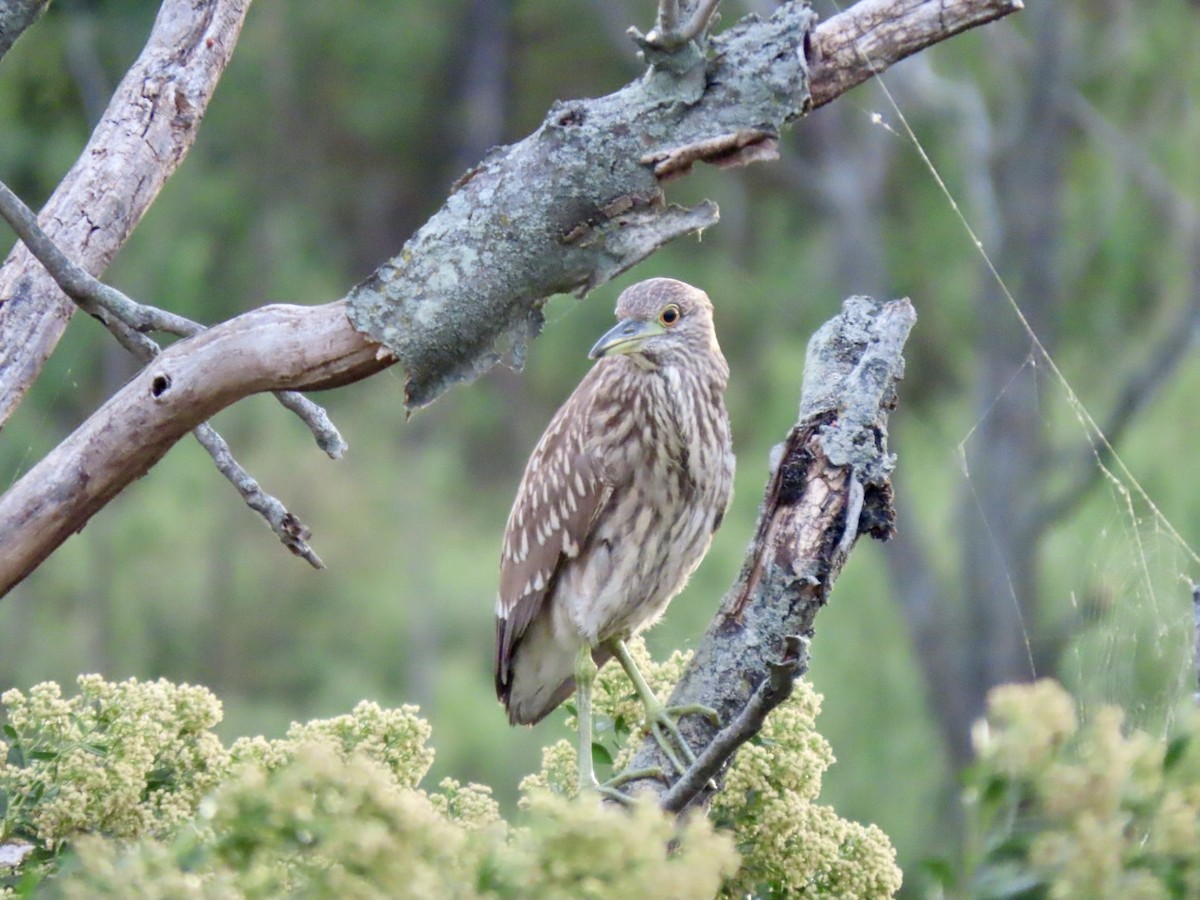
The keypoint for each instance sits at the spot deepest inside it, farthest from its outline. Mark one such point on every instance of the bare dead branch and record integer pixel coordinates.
(873, 35)
(291, 531)
(90, 294)
(830, 483)
(272, 348)
(127, 319)
(140, 140)
(103, 302)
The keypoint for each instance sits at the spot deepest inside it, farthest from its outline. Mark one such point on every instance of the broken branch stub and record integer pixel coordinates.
(577, 202)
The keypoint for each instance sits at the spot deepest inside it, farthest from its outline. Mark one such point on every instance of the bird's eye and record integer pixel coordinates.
(670, 315)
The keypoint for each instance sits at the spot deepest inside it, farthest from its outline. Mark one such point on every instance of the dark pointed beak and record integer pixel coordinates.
(627, 336)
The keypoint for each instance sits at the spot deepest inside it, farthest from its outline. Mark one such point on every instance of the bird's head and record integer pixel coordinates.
(660, 319)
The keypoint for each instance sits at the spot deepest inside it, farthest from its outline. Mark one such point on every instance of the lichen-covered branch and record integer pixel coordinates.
(142, 137)
(476, 275)
(829, 484)
(15, 17)
(478, 272)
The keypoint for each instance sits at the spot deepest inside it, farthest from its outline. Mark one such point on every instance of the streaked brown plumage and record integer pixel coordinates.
(619, 500)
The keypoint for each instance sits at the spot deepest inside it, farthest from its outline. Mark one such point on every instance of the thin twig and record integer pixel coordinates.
(667, 34)
(292, 532)
(773, 690)
(699, 21)
(78, 284)
(127, 320)
(328, 438)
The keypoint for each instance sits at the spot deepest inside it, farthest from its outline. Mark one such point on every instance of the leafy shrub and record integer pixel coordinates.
(124, 791)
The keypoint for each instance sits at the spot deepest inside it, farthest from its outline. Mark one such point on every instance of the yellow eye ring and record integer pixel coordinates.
(670, 315)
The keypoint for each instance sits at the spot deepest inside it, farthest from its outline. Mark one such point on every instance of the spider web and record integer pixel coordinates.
(1132, 620)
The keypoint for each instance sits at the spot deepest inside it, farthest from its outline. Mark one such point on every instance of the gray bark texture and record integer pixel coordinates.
(498, 248)
(476, 275)
(829, 483)
(15, 17)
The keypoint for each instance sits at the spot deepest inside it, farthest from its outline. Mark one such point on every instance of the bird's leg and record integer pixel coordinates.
(585, 675)
(661, 719)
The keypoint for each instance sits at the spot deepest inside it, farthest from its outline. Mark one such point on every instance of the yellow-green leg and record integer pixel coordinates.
(585, 675)
(661, 719)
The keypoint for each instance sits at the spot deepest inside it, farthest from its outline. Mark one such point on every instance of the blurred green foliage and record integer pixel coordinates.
(1059, 807)
(338, 128)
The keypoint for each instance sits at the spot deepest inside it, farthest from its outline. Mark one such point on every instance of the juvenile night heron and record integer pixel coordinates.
(617, 506)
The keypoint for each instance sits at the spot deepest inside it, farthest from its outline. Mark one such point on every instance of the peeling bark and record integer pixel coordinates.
(575, 203)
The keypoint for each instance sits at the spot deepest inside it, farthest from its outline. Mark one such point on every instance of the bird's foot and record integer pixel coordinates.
(663, 722)
(612, 788)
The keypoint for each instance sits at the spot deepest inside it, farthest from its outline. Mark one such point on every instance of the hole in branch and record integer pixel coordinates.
(160, 385)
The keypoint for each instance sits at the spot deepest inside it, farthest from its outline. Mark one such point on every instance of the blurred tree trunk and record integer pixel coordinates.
(978, 632)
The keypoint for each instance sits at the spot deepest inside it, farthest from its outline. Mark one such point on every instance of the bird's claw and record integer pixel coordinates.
(664, 722)
(611, 788)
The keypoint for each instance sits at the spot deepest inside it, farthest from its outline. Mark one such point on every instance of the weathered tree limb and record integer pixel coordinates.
(770, 693)
(874, 35)
(268, 349)
(15, 17)
(461, 297)
(829, 484)
(142, 137)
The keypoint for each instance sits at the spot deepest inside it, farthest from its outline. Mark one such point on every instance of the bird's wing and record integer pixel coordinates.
(562, 490)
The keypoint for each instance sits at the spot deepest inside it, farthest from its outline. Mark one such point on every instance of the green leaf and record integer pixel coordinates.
(1175, 751)
(161, 777)
(16, 756)
(600, 755)
(11, 733)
